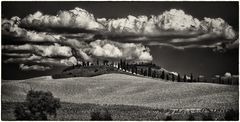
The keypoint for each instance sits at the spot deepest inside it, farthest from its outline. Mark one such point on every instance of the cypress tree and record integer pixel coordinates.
(142, 71)
(191, 80)
(132, 69)
(167, 77)
(127, 66)
(124, 65)
(145, 73)
(163, 75)
(154, 73)
(136, 71)
(97, 62)
(220, 80)
(149, 71)
(121, 64)
(179, 78)
(173, 77)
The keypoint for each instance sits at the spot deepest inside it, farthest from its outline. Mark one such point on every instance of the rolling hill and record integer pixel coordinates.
(127, 90)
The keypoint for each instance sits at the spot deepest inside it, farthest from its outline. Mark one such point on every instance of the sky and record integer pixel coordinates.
(41, 38)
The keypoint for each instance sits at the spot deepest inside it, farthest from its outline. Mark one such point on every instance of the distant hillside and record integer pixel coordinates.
(89, 70)
(127, 90)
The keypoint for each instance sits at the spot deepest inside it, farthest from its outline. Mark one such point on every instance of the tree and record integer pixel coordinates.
(191, 78)
(168, 118)
(232, 114)
(103, 114)
(229, 81)
(121, 64)
(127, 67)
(37, 106)
(118, 65)
(145, 73)
(124, 65)
(141, 71)
(163, 75)
(191, 117)
(207, 117)
(132, 69)
(154, 73)
(97, 62)
(88, 64)
(136, 71)
(173, 77)
(167, 77)
(220, 79)
(149, 71)
(179, 78)
(185, 78)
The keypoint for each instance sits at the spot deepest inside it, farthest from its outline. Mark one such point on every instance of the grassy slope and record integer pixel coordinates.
(71, 111)
(127, 90)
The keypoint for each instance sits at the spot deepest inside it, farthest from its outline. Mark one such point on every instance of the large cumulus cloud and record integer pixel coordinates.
(129, 51)
(45, 51)
(168, 22)
(75, 18)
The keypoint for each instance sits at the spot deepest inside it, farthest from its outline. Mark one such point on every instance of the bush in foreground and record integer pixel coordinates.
(191, 117)
(102, 115)
(207, 117)
(37, 106)
(231, 115)
(168, 118)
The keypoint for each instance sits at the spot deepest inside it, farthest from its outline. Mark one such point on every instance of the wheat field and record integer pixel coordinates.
(126, 90)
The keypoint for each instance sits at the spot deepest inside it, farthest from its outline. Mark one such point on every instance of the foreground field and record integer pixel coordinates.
(71, 111)
(127, 90)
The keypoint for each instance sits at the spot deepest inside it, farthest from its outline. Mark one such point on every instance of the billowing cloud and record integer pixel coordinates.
(33, 67)
(227, 74)
(218, 26)
(171, 21)
(43, 60)
(11, 27)
(129, 51)
(46, 51)
(17, 54)
(75, 18)
(31, 58)
(173, 28)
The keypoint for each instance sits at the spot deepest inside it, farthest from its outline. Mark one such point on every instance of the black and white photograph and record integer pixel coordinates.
(120, 60)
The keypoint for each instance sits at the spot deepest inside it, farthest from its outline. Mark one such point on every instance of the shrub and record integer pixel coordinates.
(101, 115)
(168, 118)
(37, 106)
(231, 115)
(191, 117)
(207, 117)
